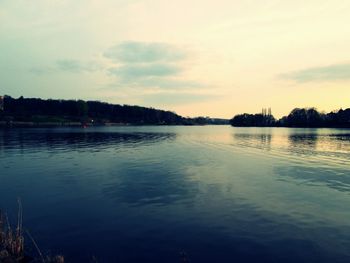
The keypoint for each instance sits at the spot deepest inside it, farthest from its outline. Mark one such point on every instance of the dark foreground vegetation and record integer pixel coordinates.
(12, 245)
(13, 248)
(32, 111)
(303, 118)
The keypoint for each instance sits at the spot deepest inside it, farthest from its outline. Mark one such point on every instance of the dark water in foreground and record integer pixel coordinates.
(142, 194)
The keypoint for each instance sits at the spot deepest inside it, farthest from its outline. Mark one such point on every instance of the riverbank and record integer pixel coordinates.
(21, 124)
(29, 124)
(29, 112)
(12, 243)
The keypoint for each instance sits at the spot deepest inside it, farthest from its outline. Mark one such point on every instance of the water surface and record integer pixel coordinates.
(143, 194)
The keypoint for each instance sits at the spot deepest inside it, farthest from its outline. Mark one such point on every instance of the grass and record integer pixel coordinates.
(12, 249)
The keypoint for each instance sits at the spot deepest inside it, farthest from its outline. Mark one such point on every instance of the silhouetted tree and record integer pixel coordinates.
(38, 110)
(256, 120)
(307, 117)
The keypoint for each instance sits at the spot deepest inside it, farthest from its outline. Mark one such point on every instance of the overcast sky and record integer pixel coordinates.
(195, 57)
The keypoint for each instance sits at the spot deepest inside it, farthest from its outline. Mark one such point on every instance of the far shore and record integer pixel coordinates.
(29, 124)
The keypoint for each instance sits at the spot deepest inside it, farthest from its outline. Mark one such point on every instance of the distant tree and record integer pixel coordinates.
(308, 117)
(256, 120)
(339, 118)
(82, 108)
(27, 109)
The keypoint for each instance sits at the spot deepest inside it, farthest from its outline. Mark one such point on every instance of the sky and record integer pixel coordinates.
(197, 58)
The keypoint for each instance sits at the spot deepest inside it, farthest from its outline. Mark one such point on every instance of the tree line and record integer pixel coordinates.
(298, 117)
(61, 111)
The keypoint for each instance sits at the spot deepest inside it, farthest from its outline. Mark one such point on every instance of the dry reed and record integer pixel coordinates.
(12, 242)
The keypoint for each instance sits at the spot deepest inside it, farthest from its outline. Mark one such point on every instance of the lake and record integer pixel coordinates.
(146, 193)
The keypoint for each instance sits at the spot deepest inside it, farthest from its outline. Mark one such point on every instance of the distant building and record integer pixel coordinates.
(1, 103)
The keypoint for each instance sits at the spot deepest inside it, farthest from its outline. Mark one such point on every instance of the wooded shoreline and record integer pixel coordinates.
(33, 112)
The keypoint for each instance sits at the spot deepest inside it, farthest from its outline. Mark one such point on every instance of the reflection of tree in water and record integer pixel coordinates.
(320, 142)
(266, 139)
(339, 142)
(257, 140)
(37, 140)
(303, 140)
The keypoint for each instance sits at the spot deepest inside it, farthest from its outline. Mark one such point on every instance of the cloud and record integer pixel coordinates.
(72, 65)
(327, 73)
(69, 65)
(172, 83)
(66, 65)
(157, 83)
(144, 52)
(177, 98)
(41, 70)
(127, 72)
(147, 65)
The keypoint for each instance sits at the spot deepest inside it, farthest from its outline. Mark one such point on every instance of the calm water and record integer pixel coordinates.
(143, 194)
